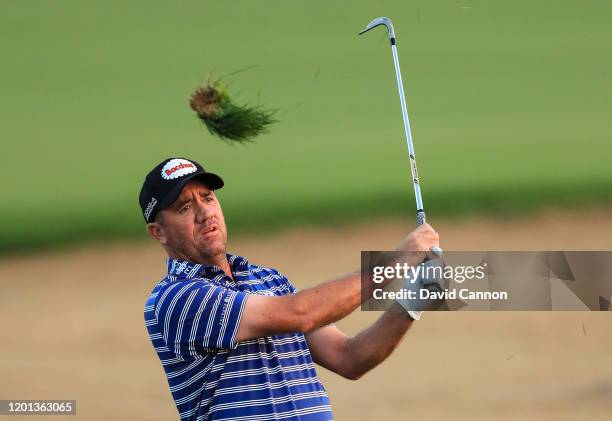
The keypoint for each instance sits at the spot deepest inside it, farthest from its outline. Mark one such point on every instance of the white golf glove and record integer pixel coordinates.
(430, 279)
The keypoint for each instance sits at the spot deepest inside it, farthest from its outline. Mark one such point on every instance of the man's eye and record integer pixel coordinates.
(184, 208)
(209, 199)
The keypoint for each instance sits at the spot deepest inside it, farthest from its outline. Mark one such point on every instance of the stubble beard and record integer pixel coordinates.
(207, 253)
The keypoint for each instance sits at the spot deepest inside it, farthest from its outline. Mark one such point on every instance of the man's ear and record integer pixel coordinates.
(156, 231)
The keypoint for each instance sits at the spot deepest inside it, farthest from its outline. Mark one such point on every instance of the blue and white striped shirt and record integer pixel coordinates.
(192, 317)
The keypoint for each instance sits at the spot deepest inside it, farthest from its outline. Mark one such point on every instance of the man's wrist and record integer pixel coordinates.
(414, 315)
(410, 313)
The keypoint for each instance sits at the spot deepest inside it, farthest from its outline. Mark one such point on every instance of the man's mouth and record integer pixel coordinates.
(209, 229)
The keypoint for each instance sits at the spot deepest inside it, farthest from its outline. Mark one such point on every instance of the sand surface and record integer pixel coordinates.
(73, 328)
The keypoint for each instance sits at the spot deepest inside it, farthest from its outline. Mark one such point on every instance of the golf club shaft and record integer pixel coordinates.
(413, 167)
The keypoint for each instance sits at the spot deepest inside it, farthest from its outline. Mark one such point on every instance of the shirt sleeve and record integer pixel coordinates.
(292, 289)
(196, 317)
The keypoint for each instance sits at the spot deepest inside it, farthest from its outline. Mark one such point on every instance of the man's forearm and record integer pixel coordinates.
(305, 311)
(328, 302)
(373, 345)
(332, 300)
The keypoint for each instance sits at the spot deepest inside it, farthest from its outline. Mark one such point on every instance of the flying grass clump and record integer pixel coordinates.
(224, 118)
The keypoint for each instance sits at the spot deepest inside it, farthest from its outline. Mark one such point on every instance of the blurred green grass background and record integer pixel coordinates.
(510, 106)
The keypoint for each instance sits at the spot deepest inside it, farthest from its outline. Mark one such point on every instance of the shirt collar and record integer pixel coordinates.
(185, 269)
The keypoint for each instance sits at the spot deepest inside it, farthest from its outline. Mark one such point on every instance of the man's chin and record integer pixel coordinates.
(214, 251)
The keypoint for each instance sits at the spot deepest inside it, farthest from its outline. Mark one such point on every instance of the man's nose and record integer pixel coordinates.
(201, 211)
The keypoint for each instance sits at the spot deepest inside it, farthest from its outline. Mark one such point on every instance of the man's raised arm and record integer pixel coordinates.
(321, 305)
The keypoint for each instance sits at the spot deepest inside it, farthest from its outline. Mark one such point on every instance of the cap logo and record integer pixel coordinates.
(149, 208)
(176, 168)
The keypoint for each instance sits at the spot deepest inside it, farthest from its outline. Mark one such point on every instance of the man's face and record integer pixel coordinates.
(193, 227)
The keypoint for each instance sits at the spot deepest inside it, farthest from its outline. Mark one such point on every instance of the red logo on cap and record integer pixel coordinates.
(176, 168)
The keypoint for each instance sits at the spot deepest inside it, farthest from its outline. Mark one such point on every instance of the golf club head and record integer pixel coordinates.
(380, 21)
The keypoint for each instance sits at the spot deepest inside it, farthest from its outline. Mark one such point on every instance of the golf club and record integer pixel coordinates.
(413, 167)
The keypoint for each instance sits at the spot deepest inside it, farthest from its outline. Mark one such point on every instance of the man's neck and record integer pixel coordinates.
(222, 262)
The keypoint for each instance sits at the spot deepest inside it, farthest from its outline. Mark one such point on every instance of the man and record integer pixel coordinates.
(236, 340)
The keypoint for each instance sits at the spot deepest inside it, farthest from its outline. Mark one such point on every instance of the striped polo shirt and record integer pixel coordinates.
(192, 317)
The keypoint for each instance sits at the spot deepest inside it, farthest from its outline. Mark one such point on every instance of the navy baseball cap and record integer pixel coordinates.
(164, 183)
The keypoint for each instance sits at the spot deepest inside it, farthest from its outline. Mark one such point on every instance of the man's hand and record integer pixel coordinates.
(417, 246)
(425, 288)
